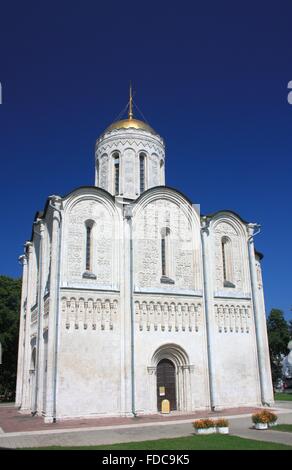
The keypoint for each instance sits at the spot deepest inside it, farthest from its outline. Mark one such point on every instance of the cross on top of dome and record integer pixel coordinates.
(130, 121)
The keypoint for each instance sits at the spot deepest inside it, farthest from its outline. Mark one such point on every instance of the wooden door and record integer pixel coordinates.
(166, 383)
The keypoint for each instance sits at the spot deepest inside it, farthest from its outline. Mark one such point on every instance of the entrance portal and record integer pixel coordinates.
(166, 383)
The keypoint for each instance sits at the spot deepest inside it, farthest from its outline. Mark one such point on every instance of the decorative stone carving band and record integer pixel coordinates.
(168, 316)
(233, 318)
(100, 313)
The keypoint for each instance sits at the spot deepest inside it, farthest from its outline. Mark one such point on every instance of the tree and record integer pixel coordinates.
(278, 334)
(290, 328)
(10, 291)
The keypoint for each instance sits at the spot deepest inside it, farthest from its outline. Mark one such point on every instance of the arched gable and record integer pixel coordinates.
(166, 232)
(230, 260)
(98, 207)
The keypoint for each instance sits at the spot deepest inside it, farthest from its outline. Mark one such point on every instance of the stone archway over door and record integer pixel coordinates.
(177, 356)
(166, 383)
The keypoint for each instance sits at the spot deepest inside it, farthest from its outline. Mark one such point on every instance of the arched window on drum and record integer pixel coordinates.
(142, 159)
(116, 159)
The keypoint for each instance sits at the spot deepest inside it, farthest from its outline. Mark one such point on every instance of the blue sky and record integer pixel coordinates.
(211, 77)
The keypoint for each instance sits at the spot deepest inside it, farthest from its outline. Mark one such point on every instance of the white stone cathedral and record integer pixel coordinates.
(130, 296)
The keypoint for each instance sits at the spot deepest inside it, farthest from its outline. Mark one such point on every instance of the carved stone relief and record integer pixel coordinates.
(224, 229)
(168, 316)
(89, 313)
(233, 318)
(102, 242)
(150, 223)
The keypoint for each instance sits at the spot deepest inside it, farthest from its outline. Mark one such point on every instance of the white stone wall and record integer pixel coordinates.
(234, 348)
(170, 322)
(269, 392)
(89, 355)
(235, 354)
(87, 321)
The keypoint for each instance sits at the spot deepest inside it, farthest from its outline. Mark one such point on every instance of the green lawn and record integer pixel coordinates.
(282, 427)
(283, 396)
(211, 442)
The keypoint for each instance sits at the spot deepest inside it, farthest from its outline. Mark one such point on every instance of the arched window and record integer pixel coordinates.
(227, 262)
(163, 256)
(166, 256)
(88, 251)
(116, 158)
(142, 172)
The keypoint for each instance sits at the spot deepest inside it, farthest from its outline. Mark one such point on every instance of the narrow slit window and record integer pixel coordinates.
(142, 173)
(227, 263)
(117, 174)
(163, 256)
(88, 247)
(166, 257)
(223, 245)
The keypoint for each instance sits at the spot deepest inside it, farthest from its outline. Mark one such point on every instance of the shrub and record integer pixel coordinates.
(203, 423)
(222, 423)
(264, 416)
(272, 417)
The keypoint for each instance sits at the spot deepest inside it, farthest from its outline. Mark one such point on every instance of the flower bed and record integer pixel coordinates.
(210, 426)
(222, 426)
(264, 419)
(204, 426)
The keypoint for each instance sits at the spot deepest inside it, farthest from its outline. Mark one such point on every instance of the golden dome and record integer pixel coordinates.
(130, 123)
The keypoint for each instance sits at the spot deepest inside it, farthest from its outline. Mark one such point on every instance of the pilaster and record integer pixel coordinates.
(38, 398)
(51, 383)
(209, 308)
(21, 342)
(25, 402)
(260, 324)
(126, 326)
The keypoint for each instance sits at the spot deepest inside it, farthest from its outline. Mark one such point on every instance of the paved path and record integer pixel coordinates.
(284, 404)
(242, 428)
(13, 421)
(240, 425)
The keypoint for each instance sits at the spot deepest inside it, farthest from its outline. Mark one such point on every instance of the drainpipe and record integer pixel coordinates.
(129, 215)
(54, 202)
(253, 230)
(41, 235)
(207, 294)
